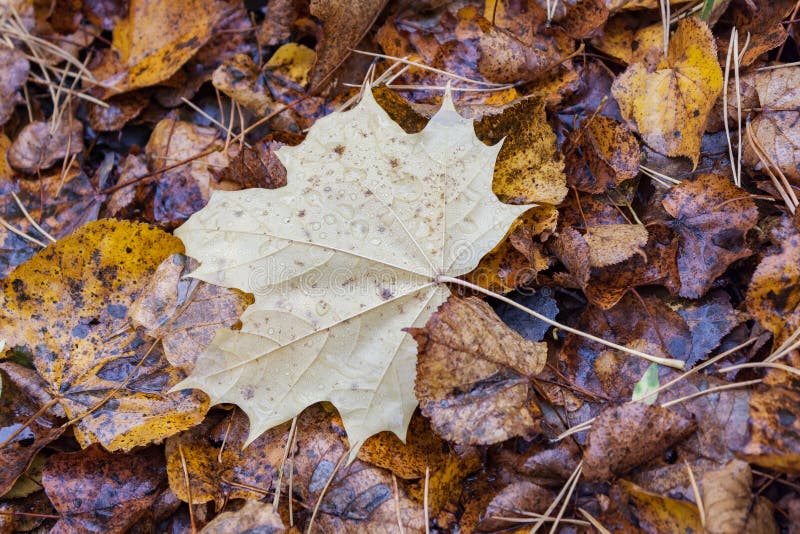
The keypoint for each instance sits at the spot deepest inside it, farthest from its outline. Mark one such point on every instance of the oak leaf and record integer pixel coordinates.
(670, 106)
(473, 374)
(340, 261)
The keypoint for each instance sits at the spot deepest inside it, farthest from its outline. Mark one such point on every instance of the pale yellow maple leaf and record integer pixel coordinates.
(340, 261)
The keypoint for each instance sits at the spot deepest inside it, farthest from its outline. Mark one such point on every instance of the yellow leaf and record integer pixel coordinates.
(69, 305)
(670, 105)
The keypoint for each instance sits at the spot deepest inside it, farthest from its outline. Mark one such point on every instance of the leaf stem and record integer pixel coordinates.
(669, 362)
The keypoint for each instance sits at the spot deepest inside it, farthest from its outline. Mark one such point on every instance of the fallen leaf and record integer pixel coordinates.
(612, 243)
(277, 25)
(710, 320)
(774, 292)
(219, 464)
(344, 24)
(259, 166)
(474, 373)
(647, 384)
(631, 39)
(41, 144)
(764, 24)
(626, 436)
(730, 504)
(25, 515)
(157, 38)
(712, 217)
(774, 429)
(601, 155)
(181, 191)
(295, 60)
(239, 78)
(669, 107)
(776, 126)
(98, 491)
(184, 313)
(15, 68)
(330, 227)
(656, 514)
(530, 328)
(527, 168)
(254, 516)
(514, 501)
(119, 112)
(65, 303)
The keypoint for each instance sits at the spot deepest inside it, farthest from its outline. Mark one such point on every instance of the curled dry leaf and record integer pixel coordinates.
(474, 374)
(98, 491)
(64, 305)
(184, 313)
(15, 68)
(626, 436)
(712, 218)
(370, 218)
(776, 126)
(40, 145)
(254, 516)
(669, 107)
(601, 155)
(156, 39)
(774, 293)
(528, 168)
(730, 505)
(344, 24)
(613, 243)
(259, 166)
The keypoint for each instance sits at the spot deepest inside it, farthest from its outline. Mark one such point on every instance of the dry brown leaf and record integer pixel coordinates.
(119, 112)
(277, 25)
(15, 68)
(626, 436)
(528, 169)
(97, 491)
(762, 23)
(670, 106)
(259, 166)
(344, 24)
(776, 127)
(157, 38)
(253, 517)
(712, 218)
(601, 155)
(513, 501)
(184, 312)
(612, 243)
(730, 505)
(473, 374)
(182, 191)
(40, 145)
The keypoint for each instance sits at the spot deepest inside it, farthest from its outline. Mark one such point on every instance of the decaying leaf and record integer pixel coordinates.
(656, 513)
(669, 106)
(601, 155)
(238, 77)
(340, 261)
(527, 168)
(712, 218)
(41, 144)
(774, 293)
(730, 505)
(343, 25)
(776, 126)
(259, 166)
(613, 243)
(473, 374)
(98, 491)
(774, 429)
(184, 313)
(64, 305)
(626, 436)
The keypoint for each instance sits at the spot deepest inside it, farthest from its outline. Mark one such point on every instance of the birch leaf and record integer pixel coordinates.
(340, 261)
